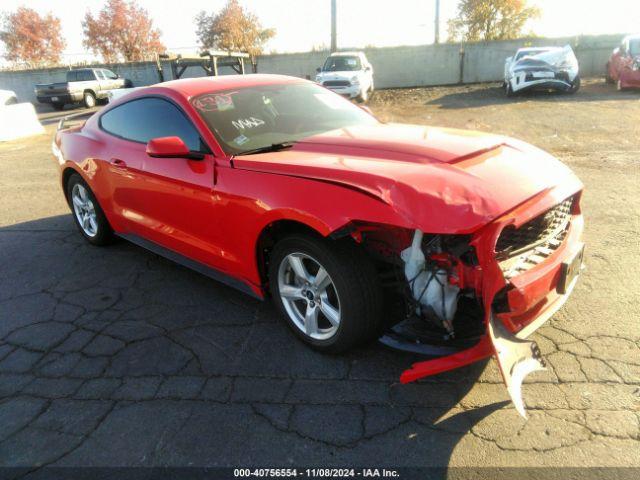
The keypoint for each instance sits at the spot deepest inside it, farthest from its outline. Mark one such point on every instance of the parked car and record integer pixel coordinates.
(8, 97)
(85, 85)
(542, 68)
(465, 242)
(347, 73)
(623, 67)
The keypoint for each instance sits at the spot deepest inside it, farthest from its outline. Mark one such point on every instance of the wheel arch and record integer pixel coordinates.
(66, 175)
(273, 232)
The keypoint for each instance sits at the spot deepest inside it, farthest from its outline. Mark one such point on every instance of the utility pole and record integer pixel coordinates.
(437, 26)
(334, 40)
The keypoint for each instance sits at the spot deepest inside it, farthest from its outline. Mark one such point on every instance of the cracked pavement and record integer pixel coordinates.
(116, 357)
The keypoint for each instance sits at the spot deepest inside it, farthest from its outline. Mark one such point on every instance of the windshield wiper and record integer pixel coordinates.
(274, 147)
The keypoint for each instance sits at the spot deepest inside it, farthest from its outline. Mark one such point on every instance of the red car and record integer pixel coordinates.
(623, 68)
(451, 243)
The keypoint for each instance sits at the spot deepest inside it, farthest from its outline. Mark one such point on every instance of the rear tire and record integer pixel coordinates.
(87, 213)
(351, 291)
(89, 100)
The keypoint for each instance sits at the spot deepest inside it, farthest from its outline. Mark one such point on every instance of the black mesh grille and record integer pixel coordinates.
(550, 224)
(336, 83)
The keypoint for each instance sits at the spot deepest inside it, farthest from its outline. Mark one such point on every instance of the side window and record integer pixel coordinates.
(147, 118)
(72, 76)
(110, 75)
(86, 75)
(99, 74)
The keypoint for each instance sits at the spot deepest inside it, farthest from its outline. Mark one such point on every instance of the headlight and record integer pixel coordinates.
(355, 80)
(319, 79)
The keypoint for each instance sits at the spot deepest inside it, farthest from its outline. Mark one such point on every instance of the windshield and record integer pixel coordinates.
(341, 64)
(254, 117)
(529, 52)
(634, 46)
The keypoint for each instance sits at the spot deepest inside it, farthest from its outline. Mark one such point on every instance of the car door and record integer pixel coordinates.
(167, 201)
(103, 84)
(113, 80)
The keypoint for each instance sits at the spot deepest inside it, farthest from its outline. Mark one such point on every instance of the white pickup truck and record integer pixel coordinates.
(347, 73)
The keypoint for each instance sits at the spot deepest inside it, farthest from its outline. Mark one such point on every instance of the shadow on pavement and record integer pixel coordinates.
(114, 357)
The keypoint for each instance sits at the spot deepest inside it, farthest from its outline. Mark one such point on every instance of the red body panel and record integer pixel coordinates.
(621, 69)
(439, 181)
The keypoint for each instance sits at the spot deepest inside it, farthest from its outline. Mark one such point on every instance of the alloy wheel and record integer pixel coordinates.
(84, 210)
(309, 296)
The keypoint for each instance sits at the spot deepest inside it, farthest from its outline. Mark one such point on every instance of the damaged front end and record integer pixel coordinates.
(468, 297)
(556, 69)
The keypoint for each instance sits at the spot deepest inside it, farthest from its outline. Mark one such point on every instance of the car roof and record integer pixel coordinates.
(190, 87)
(538, 49)
(345, 54)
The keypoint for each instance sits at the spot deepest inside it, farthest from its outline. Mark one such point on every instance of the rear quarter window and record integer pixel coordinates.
(146, 118)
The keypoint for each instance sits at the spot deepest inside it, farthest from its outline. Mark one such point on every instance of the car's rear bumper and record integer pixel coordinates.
(60, 98)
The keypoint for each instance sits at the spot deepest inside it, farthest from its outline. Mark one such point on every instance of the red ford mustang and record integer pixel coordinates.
(451, 243)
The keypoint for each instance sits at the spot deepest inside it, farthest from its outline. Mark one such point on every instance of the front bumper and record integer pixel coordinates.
(630, 78)
(522, 81)
(531, 299)
(351, 91)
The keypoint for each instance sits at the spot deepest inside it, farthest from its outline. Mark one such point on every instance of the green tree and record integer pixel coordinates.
(490, 20)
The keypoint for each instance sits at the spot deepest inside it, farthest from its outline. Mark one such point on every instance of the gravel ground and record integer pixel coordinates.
(116, 357)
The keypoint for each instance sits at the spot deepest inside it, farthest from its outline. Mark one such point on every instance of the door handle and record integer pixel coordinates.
(118, 163)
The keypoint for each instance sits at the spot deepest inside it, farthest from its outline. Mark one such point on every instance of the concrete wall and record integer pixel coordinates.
(413, 66)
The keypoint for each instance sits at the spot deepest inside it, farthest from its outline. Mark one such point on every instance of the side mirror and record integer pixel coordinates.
(318, 69)
(171, 147)
(367, 69)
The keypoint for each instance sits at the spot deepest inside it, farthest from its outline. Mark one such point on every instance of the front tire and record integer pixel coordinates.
(575, 86)
(508, 90)
(87, 213)
(363, 97)
(327, 291)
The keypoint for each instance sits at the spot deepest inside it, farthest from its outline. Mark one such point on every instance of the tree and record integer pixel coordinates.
(30, 38)
(122, 31)
(490, 20)
(233, 29)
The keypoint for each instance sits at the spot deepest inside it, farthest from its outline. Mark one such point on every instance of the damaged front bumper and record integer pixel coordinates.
(518, 295)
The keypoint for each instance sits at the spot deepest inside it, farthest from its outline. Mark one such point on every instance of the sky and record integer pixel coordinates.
(305, 24)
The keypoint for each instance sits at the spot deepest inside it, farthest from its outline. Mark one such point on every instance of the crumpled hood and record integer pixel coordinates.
(438, 180)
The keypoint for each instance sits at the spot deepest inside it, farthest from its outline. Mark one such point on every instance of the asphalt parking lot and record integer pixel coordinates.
(116, 357)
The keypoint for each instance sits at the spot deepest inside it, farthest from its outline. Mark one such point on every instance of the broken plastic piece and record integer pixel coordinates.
(517, 358)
